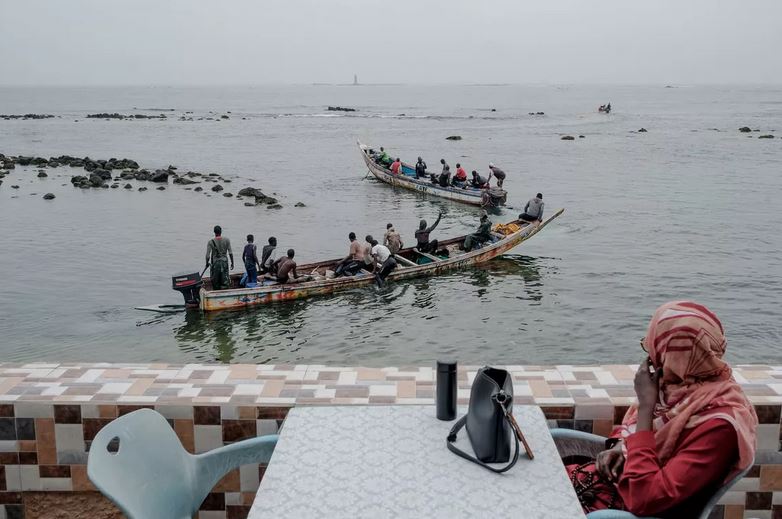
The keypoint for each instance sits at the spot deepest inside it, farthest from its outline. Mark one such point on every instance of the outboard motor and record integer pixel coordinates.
(189, 286)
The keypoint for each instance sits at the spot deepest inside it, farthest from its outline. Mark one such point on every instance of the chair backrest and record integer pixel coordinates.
(150, 475)
(721, 492)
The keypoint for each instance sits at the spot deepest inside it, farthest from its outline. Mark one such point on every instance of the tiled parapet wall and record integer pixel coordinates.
(49, 414)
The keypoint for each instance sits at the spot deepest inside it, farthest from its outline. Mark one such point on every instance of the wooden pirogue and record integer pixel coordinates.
(407, 267)
(469, 195)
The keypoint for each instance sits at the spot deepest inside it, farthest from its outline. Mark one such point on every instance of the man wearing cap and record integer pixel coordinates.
(498, 174)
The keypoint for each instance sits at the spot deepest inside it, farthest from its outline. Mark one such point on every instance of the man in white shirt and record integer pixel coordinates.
(386, 262)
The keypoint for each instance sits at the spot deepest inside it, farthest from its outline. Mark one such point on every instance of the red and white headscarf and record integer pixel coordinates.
(687, 341)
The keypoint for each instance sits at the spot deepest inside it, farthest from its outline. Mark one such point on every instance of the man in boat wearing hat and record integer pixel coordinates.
(498, 174)
(218, 250)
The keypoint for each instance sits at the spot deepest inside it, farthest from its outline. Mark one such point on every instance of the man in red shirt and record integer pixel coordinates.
(460, 179)
(396, 166)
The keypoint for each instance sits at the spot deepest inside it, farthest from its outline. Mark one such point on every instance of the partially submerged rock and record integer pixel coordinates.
(567, 138)
(274, 206)
(340, 109)
(453, 138)
(642, 130)
(217, 188)
(48, 196)
(745, 129)
(768, 136)
(299, 204)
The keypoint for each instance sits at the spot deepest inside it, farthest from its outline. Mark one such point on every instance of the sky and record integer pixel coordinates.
(238, 42)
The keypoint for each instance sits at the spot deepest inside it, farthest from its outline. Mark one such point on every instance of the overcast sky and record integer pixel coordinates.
(81, 42)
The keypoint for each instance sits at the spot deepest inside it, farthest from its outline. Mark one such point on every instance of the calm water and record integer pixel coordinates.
(690, 209)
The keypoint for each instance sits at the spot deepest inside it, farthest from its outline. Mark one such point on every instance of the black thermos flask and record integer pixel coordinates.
(446, 390)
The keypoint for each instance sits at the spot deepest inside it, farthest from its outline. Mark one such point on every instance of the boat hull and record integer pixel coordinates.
(470, 195)
(214, 300)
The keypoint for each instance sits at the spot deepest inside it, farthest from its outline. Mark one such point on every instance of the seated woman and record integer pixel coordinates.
(691, 431)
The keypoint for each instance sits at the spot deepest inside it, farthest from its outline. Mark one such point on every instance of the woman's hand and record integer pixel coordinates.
(647, 389)
(609, 463)
(646, 385)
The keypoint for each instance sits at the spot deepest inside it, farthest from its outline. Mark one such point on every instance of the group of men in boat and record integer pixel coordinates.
(368, 257)
(218, 253)
(444, 179)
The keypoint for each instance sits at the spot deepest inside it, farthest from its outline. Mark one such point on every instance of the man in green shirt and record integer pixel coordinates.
(218, 250)
(483, 234)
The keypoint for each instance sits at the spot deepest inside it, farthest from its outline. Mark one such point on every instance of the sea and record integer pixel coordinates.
(689, 209)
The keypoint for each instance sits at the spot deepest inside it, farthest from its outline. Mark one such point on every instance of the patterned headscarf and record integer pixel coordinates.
(687, 341)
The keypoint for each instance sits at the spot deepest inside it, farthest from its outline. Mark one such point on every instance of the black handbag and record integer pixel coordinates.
(490, 422)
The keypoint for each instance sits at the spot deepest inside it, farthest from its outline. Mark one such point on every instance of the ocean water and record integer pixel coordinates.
(690, 209)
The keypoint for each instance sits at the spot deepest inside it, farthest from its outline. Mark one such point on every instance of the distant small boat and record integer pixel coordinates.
(410, 264)
(491, 197)
(606, 109)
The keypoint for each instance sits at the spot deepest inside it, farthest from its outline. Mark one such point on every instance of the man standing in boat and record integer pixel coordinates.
(218, 250)
(420, 168)
(498, 174)
(385, 262)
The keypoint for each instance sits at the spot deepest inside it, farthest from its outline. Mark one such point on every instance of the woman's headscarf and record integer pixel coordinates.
(687, 341)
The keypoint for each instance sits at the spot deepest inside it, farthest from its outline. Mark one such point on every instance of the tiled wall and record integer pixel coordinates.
(49, 414)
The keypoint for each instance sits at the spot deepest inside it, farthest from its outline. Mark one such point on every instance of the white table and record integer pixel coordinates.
(392, 461)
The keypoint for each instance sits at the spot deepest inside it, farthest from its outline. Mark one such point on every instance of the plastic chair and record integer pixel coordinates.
(151, 476)
(576, 442)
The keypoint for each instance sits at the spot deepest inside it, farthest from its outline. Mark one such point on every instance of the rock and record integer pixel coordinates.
(199, 188)
(127, 186)
(96, 180)
(268, 200)
(142, 189)
(42, 174)
(85, 185)
(540, 113)
(224, 117)
(160, 175)
(274, 206)
(642, 130)
(104, 174)
(299, 204)
(340, 109)
(453, 138)
(249, 204)
(114, 186)
(250, 191)
(161, 188)
(48, 196)
(227, 180)
(567, 138)
(768, 136)
(24, 161)
(14, 187)
(228, 195)
(78, 179)
(184, 181)
(104, 186)
(745, 129)
(142, 174)
(493, 109)
(217, 188)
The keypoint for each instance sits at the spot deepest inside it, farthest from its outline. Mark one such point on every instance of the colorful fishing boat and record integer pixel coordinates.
(469, 195)
(410, 263)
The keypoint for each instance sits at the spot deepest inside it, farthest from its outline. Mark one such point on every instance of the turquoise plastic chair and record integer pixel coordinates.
(578, 442)
(151, 476)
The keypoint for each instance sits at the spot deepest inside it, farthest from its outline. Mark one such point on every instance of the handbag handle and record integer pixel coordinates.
(504, 403)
